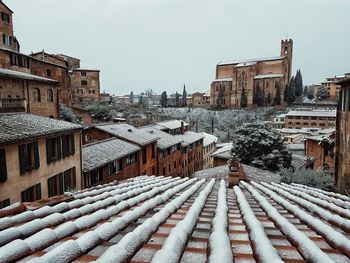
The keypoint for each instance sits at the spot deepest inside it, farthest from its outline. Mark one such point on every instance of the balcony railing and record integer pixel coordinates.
(12, 105)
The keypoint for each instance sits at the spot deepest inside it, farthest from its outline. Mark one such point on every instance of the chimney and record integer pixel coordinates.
(235, 171)
(182, 127)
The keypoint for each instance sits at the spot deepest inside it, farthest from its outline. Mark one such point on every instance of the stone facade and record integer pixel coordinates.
(342, 159)
(85, 85)
(260, 82)
(310, 119)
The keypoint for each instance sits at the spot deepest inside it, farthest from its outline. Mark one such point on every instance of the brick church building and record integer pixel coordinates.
(261, 82)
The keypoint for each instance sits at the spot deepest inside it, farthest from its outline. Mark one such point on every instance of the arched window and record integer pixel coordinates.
(36, 95)
(242, 80)
(49, 95)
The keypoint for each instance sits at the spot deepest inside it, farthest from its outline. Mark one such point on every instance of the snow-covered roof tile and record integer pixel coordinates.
(223, 152)
(314, 113)
(165, 140)
(22, 126)
(171, 125)
(189, 137)
(164, 219)
(129, 133)
(208, 139)
(254, 60)
(223, 80)
(100, 153)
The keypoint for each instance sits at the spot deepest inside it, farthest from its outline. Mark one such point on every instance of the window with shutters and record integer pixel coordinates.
(131, 159)
(53, 149)
(3, 167)
(4, 203)
(62, 182)
(68, 147)
(28, 157)
(144, 155)
(32, 193)
(92, 178)
(153, 150)
(5, 17)
(115, 166)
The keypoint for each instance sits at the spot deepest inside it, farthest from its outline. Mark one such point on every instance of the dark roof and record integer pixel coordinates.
(22, 126)
(100, 153)
(22, 75)
(346, 80)
(129, 133)
(192, 220)
(6, 6)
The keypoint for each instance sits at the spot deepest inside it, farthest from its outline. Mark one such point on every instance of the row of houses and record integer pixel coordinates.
(38, 82)
(42, 157)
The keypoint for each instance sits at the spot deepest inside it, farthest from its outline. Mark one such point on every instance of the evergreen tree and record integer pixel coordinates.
(291, 92)
(298, 81)
(164, 99)
(278, 94)
(269, 99)
(243, 99)
(258, 96)
(322, 93)
(220, 99)
(131, 97)
(184, 97)
(177, 99)
(259, 146)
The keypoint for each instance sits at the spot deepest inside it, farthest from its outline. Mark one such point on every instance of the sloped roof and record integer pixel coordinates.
(159, 219)
(208, 139)
(254, 60)
(171, 125)
(97, 154)
(189, 137)
(223, 152)
(129, 133)
(265, 76)
(2, 2)
(165, 140)
(23, 75)
(23, 126)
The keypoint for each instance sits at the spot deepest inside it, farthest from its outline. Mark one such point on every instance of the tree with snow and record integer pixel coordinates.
(310, 177)
(322, 93)
(184, 97)
(177, 99)
(164, 99)
(67, 114)
(99, 110)
(290, 92)
(256, 145)
(220, 99)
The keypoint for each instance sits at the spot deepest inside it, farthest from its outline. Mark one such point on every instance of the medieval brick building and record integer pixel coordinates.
(260, 82)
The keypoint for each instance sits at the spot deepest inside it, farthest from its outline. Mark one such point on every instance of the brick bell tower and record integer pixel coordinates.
(287, 51)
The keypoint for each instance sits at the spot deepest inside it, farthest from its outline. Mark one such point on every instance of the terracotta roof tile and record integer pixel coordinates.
(183, 219)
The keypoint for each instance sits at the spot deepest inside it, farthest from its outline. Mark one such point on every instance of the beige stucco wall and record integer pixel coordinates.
(16, 183)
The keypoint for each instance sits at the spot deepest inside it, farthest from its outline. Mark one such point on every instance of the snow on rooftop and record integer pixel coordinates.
(189, 137)
(164, 219)
(129, 133)
(23, 75)
(223, 79)
(171, 125)
(314, 113)
(251, 60)
(208, 139)
(165, 140)
(100, 153)
(223, 152)
(264, 76)
(245, 64)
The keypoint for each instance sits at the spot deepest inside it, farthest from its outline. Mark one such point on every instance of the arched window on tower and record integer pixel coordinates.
(49, 95)
(36, 95)
(285, 50)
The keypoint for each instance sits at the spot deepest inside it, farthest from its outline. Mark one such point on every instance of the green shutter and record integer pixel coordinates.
(72, 141)
(59, 148)
(36, 155)
(3, 168)
(48, 151)
(22, 158)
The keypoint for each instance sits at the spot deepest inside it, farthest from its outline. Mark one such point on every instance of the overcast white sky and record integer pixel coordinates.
(162, 44)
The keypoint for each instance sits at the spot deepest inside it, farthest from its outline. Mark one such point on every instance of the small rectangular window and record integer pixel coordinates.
(83, 74)
(4, 203)
(28, 156)
(84, 82)
(48, 72)
(5, 17)
(32, 193)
